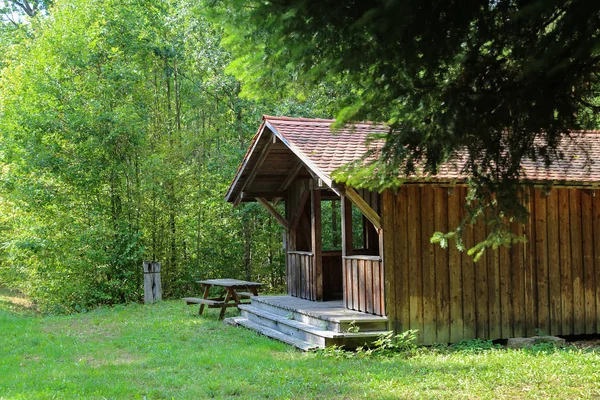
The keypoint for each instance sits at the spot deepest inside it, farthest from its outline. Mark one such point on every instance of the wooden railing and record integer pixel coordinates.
(363, 284)
(301, 275)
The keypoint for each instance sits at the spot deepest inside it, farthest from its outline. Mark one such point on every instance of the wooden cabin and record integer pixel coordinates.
(386, 265)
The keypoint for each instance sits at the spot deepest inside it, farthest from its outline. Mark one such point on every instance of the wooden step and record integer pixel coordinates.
(274, 334)
(335, 322)
(317, 334)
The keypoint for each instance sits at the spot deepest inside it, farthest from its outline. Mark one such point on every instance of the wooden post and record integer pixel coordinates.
(346, 226)
(152, 283)
(316, 243)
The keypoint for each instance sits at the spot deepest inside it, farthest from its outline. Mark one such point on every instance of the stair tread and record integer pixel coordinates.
(315, 330)
(275, 334)
(360, 317)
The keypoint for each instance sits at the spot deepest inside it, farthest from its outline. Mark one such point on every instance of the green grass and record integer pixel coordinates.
(167, 351)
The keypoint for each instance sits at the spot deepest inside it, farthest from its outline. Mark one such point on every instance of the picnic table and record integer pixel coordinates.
(234, 290)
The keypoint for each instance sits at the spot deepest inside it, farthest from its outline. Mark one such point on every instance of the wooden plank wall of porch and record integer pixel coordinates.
(312, 272)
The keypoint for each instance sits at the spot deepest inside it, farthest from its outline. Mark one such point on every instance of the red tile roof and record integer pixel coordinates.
(323, 150)
(328, 150)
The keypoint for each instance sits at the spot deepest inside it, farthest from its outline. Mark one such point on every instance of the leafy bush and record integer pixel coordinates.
(387, 345)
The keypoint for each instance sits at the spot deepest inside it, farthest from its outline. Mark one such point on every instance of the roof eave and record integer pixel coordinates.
(242, 168)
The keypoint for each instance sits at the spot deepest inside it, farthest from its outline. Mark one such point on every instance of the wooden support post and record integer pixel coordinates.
(152, 283)
(346, 226)
(316, 243)
(299, 209)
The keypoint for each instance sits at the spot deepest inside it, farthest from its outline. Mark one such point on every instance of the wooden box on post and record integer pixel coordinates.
(152, 284)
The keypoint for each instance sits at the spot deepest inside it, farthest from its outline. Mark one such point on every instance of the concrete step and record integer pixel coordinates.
(350, 321)
(317, 334)
(272, 333)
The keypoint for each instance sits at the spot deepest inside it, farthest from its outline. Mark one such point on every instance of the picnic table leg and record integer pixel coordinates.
(206, 291)
(230, 291)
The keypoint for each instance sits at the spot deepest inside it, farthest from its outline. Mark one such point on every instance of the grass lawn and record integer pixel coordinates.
(167, 351)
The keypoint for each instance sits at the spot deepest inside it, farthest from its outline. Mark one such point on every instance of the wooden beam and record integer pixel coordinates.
(261, 159)
(288, 181)
(273, 212)
(290, 178)
(364, 207)
(301, 204)
(255, 195)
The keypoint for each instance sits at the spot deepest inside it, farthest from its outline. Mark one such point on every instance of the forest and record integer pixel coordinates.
(120, 132)
(122, 122)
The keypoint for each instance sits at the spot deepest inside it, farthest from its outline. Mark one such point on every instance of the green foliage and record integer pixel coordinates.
(120, 133)
(487, 83)
(387, 345)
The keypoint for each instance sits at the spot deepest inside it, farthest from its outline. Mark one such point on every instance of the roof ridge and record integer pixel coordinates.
(361, 124)
(299, 119)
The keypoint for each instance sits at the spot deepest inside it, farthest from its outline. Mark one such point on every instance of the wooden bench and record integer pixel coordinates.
(197, 300)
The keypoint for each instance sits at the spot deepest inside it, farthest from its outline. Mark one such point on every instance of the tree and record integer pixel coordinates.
(13, 11)
(119, 134)
(494, 81)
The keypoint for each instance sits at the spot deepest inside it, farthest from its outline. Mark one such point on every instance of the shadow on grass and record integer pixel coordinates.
(15, 302)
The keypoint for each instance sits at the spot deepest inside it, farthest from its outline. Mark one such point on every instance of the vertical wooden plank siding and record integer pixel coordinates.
(530, 272)
(481, 287)
(454, 213)
(541, 262)
(442, 275)
(589, 279)
(378, 290)
(495, 325)
(566, 292)
(576, 261)
(365, 293)
(388, 251)
(301, 269)
(596, 227)
(401, 259)
(549, 284)
(553, 262)
(505, 290)
(355, 289)
(415, 276)
(369, 277)
(428, 264)
(469, 299)
(517, 259)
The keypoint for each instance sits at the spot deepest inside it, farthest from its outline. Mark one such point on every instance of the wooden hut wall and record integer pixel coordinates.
(548, 285)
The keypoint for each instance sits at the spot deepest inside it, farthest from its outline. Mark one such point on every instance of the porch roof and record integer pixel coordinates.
(286, 148)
